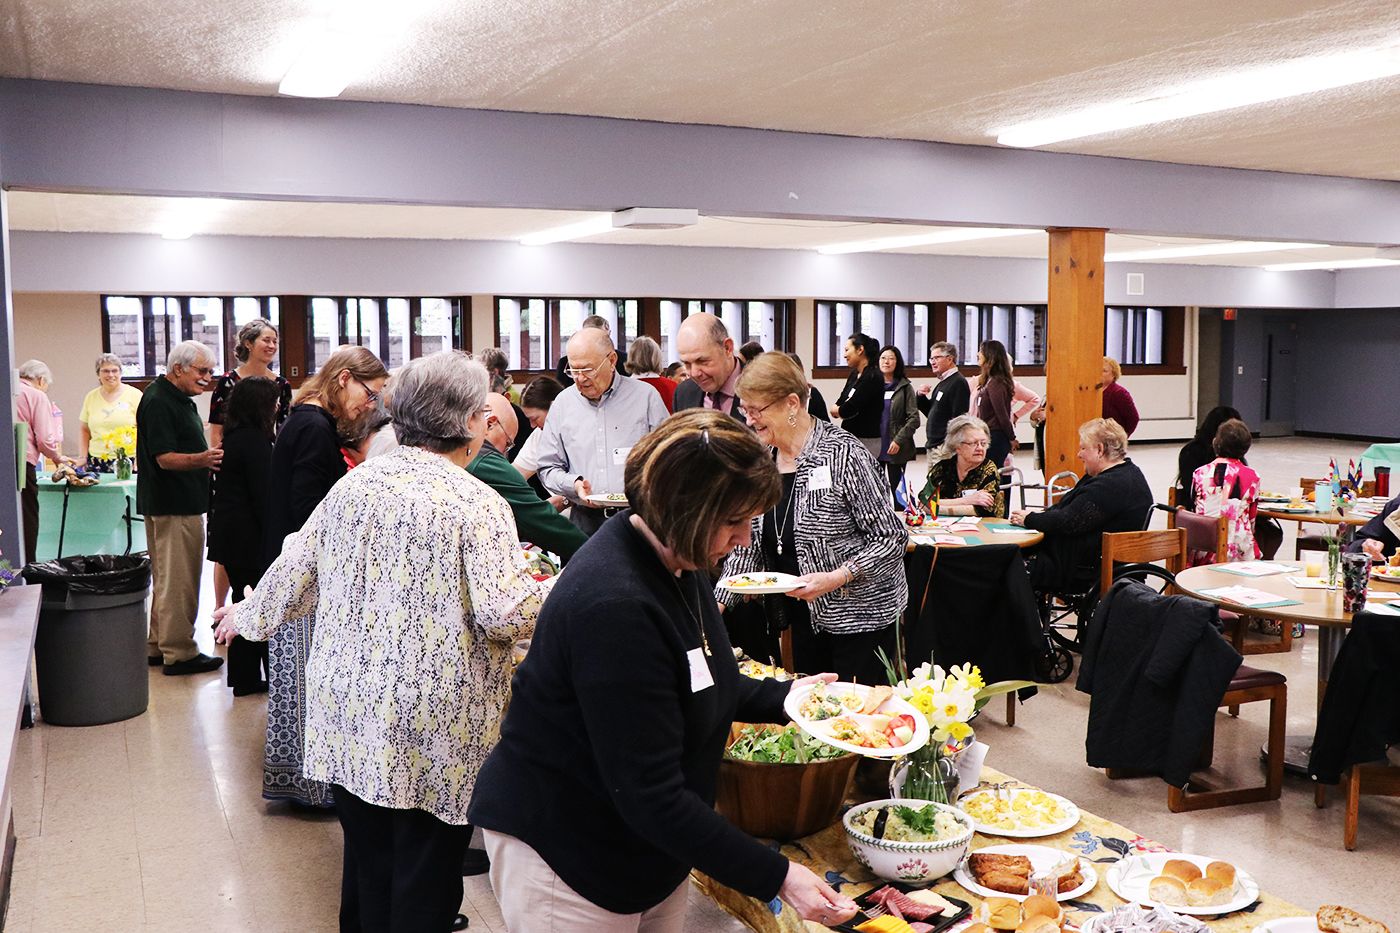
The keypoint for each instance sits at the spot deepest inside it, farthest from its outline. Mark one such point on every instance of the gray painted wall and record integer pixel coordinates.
(138, 140)
(1352, 359)
(1368, 288)
(244, 265)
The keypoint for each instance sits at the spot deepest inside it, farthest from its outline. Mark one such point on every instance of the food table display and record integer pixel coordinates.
(101, 519)
(1106, 854)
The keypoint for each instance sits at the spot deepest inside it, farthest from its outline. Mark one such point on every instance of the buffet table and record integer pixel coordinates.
(101, 519)
(1093, 837)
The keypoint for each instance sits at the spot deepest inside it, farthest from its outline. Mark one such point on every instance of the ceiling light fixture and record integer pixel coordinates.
(345, 41)
(635, 218)
(1331, 264)
(188, 216)
(1227, 92)
(965, 235)
(1207, 249)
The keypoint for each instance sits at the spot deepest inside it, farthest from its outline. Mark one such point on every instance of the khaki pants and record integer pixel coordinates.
(533, 899)
(176, 546)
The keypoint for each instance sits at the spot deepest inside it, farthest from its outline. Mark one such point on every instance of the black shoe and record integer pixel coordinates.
(475, 862)
(199, 664)
(154, 661)
(243, 690)
(461, 922)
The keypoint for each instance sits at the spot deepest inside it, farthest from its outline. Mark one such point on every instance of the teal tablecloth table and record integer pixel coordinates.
(1381, 455)
(97, 521)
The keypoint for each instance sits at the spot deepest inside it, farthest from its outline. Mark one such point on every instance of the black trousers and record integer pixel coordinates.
(29, 513)
(851, 657)
(402, 871)
(247, 660)
(1000, 448)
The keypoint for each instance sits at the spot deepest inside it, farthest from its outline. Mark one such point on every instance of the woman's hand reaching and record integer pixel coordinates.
(813, 898)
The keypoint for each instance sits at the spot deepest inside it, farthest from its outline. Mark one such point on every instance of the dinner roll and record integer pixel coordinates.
(1223, 872)
(1180, 868)
(1003, 913)
(1167, 889)
(1040, 905)
(1038, 924)
(1207, 892)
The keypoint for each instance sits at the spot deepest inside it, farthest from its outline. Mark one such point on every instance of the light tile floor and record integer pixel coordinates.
(157, 823)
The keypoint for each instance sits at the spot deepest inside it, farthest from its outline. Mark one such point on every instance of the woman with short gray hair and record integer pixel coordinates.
(644, 363)
(107, 419)
(419, 587)
(962, 480)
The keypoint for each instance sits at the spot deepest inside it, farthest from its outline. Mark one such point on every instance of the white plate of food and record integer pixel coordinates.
(1330, 918)
(869, 721)
(760, 583)
(1386, 572)
(1287, 507)
(1004, 871)
(607, 500)
(1018, 812)
(1176, 880)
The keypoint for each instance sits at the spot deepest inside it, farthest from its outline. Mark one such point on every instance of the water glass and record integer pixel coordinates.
(1356, 570)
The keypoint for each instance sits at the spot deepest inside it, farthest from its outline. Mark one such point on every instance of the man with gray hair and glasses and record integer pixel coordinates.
(591, 428)
(946, 399)
(598, 322)
(172, 492)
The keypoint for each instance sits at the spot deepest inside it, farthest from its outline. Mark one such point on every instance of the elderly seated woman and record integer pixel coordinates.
(960, 477)
(1113, 496)
(420, 589)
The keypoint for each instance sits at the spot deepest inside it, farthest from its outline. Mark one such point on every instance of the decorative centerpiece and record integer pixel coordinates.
(949, 700)
(123, 442)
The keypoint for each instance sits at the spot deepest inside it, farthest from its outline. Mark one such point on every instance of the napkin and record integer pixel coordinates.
(970, 766)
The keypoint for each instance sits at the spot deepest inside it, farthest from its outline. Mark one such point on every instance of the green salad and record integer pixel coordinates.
(788, 745)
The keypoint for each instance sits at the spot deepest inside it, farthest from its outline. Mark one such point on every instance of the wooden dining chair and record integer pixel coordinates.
(1141, 547)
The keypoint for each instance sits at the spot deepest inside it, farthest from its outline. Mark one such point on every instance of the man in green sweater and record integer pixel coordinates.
(535, 519)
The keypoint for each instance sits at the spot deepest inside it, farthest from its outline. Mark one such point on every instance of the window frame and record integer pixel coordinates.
(414, 337)
(552, 340)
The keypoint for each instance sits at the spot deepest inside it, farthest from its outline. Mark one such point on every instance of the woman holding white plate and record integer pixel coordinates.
(599, 798)
(833, 527)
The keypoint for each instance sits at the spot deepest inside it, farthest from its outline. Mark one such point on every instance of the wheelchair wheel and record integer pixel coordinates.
(1066, 617)
(1158, 579)
(1054, 665)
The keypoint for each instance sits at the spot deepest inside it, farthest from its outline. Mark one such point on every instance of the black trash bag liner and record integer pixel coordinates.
(100, 574)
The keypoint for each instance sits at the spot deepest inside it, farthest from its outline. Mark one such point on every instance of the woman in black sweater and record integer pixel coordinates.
(236, 533)
(599, 798)
(1199, 451)
(862, 398)
(306, 462)
(1113, 496)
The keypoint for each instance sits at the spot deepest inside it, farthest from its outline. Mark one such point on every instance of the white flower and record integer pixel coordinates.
(950, 706)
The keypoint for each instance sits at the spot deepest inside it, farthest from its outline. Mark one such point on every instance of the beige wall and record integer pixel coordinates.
(64, 329)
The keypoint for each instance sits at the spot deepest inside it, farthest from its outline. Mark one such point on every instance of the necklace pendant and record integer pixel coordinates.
(780, 549)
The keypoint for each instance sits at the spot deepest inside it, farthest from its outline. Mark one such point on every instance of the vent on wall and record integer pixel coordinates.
(1136, 284)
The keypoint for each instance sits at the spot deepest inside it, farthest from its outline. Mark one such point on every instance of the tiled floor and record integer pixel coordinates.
(157, 823)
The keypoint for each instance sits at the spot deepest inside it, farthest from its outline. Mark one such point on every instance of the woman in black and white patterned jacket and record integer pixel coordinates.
(834, 526)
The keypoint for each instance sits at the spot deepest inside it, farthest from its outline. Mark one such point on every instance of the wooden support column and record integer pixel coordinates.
(1074, 343)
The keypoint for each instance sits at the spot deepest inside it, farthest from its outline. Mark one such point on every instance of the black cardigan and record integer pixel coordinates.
(306, 462)
(1376, 530)
(608, 759)
(244, 479)
(1156, 668)
(1360, 713)
(951, 396)
(1118, 499)
(862, 402)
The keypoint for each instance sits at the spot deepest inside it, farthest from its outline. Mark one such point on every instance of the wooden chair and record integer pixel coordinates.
(1381, 780)
(1249, 685)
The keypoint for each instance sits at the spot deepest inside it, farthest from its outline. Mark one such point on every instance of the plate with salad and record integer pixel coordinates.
(761, 583)
(870, 721)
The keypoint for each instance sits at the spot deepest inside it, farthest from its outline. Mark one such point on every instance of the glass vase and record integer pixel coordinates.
(1334, 562)
(931, 773)
(123, 467)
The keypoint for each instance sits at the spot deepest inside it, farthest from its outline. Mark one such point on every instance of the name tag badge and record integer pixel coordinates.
(819, 479)
(938, 396)
(700, 676)
(620, 455)
(889, 395)
(1392, 521)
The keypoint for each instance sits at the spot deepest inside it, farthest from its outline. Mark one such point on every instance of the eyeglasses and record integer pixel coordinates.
(373, 395)
(748, 412)
(976, 445)
(203, 370)
(576, 374)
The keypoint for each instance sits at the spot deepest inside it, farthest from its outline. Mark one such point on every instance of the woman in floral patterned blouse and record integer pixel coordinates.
(420, 588)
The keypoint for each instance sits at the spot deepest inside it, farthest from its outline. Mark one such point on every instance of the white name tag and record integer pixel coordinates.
(700, 676)
(620, 455)
(889, 395)
(820, 478)
(938, 396)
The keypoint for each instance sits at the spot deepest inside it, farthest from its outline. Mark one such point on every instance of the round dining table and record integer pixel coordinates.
(1311, 605)
(973, 535)
(1325, 517)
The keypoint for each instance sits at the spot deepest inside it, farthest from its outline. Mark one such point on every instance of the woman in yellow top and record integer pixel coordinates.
(109, 407)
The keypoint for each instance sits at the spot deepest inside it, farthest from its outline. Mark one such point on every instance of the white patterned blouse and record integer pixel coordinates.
(419, 585)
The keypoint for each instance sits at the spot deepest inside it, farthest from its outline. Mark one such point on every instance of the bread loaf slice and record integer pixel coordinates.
(1334, 919)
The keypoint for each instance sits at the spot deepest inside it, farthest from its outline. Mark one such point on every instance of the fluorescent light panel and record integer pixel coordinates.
(1207, 249)
(348, 39)
(188, 216)
(603, 223)
(1227, 92)
(1330, 264)
(966, 235)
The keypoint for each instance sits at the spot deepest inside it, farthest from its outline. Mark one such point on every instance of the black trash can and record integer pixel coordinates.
(90, 649)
